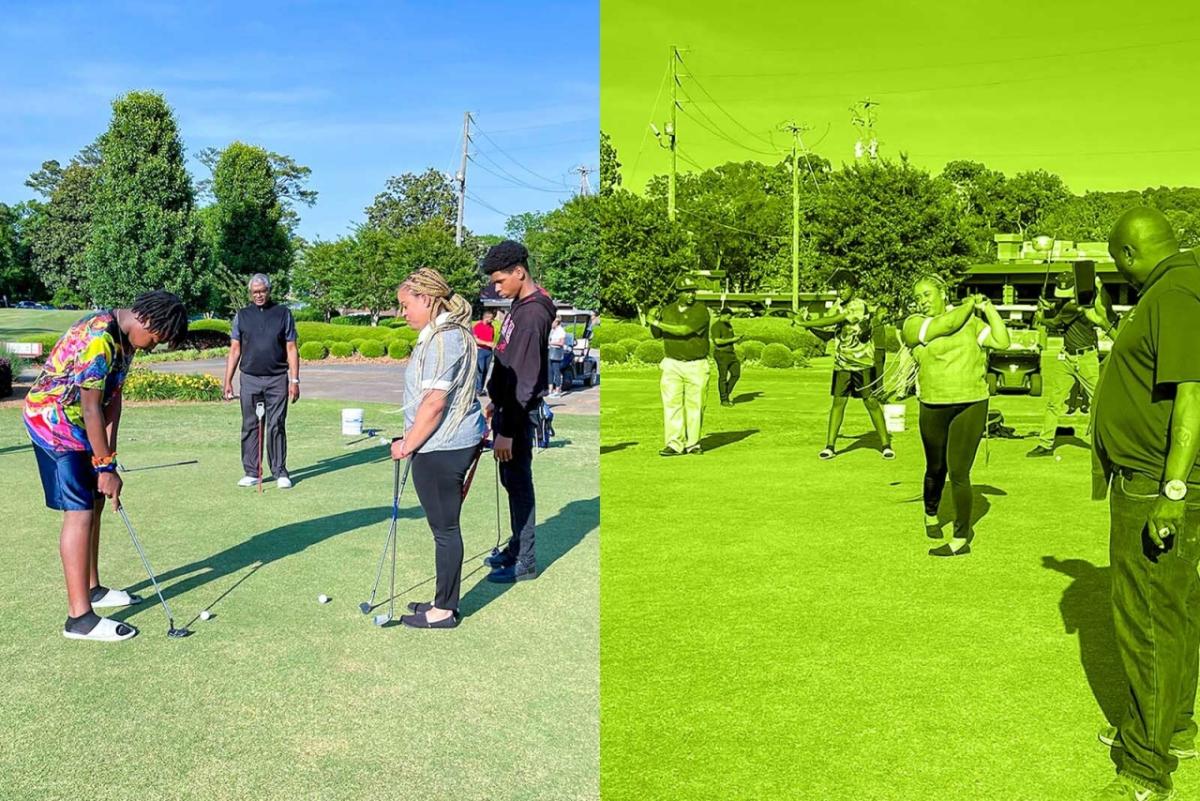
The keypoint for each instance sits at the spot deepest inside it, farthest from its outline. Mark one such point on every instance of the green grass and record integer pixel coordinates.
(16, 323)
(278, 697)
(772, 626)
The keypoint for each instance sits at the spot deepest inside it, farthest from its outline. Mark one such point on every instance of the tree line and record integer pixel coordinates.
(124, 216)
(886, 221)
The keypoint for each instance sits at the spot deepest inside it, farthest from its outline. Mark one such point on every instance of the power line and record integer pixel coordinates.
(542, 125)
(513, 160)
(724, 136)
(645, 131)
(731, 227)
(700, 86)
(516, 181)
(488, 206)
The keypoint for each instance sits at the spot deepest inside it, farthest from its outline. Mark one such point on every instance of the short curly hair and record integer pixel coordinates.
(504, 257)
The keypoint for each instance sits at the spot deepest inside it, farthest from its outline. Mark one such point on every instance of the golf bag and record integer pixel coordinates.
(545, 426)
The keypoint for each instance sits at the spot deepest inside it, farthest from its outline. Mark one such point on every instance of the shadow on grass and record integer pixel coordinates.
(368, 455)
(980, 505)
(868, 441)
(1086, 610)
(746, 397)
(263, 549)
(554, 538)
(15, 449)
(620, 446)
(723, 438)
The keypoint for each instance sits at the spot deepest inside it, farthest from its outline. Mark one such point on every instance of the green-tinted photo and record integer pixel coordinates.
(897, 300)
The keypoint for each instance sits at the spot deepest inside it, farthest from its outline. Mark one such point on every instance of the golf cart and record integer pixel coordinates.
(580, 365)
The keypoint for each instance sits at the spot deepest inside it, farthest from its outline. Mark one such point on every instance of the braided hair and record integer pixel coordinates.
(429, 283)
(162, 313)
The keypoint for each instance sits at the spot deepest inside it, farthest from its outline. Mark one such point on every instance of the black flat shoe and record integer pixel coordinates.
(420, 621)
(946, 550)
(420, 607)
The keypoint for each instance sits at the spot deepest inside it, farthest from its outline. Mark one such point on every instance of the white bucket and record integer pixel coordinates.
(893, 416)
(352, 422)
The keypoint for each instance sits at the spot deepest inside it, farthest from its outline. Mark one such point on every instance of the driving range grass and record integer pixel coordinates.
(772, 626)
(15, 323)
(277, 696)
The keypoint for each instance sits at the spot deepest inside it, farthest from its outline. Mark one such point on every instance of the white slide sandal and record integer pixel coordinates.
(107, 630)
(116, 598)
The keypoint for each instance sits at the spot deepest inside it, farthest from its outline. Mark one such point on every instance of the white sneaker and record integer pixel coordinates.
(283, 482)
(247, 481)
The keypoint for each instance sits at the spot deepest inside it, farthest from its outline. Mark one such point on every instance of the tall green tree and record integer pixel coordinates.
(610, 166)
(316, 278)
(17, 277)
(143, 234)
(291, 184)
(248, 234)
(565, 251)
(411, 200)
(59, 231)
(642, 254)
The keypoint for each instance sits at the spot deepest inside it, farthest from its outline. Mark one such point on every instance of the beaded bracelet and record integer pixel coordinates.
(111, 467)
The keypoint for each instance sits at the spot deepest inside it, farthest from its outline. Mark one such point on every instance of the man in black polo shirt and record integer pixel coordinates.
(729, 367)
(263, 340)
(1145, 444)
(683, 327)
(1077, 361)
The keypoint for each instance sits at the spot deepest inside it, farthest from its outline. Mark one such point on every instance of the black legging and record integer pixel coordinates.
(438, 477)
(729, 370)
(951, 433)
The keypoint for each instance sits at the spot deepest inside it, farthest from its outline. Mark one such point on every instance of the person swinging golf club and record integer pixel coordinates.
(515, 390)
(683, 327)
(949, 346)
(443, 428)
(262, 342)
(72, 414)
(856, 372)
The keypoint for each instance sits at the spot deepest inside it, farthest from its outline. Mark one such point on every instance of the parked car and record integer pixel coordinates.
(28, 304)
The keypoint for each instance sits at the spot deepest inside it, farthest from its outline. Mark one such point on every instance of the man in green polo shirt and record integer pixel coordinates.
(683, 327)
(1146, 437)
(1078, 360)
(729, 367)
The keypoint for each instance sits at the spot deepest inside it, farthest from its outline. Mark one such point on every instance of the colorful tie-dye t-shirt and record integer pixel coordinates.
(89, 356)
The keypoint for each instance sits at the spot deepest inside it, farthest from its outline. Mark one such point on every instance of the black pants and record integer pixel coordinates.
(438, 477)
(271, 390)
(517, 477)
(951, 433)
(729, 370)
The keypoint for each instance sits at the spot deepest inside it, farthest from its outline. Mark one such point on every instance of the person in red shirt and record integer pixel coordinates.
(485, 338)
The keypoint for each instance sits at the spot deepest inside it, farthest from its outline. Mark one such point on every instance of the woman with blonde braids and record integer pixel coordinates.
(443, 428)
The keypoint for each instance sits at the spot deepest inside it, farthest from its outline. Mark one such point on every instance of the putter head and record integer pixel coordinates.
(383, 620)
(177, 634)
(365, 608)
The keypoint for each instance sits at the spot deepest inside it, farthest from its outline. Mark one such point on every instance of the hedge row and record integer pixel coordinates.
(767, 330)
(369, 348)
(186, 355)
(147, 385)
(650, 351)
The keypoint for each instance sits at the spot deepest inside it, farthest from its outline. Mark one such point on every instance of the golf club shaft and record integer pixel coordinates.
(397, 490)
(146, 564)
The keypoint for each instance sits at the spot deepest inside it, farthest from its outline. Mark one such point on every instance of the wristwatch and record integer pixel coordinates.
(1174, 490)
(293, 380)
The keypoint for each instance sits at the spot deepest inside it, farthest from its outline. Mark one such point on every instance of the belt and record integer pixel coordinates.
(1081, 351)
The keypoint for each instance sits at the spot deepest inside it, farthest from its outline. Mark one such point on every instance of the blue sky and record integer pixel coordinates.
(357, 91)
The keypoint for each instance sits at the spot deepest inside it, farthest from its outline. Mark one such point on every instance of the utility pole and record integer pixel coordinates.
(862, 115)
(461, 179)
(795, 130)
(670, 131)
(585, 188)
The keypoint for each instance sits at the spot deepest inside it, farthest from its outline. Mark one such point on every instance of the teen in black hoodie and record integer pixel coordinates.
(515, 389)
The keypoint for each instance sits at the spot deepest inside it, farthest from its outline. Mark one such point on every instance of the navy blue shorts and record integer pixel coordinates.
(68, 479)
(854, 383)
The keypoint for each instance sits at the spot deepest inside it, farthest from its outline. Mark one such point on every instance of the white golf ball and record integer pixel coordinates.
(1058, 458)
(384, 441)
(324, 599)
(205, 615)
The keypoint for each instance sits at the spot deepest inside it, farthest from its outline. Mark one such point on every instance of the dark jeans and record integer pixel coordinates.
(483, 358)
(517, 477)
(438, 478)
(951, 433)
(555, 366)
(1156, 617)
(729, 370)
(273, 391)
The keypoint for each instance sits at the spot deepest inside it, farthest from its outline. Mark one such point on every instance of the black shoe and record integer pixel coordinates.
(512, 574)
(726, 402)
(419, 606)
(946, 550)
(1040, 450)
(419, 621)
(669, 451)
(695, 450)
(499, 560)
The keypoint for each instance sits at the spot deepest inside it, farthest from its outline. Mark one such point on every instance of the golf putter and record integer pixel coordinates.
(398, 484)
(172, 632)
(259, 411)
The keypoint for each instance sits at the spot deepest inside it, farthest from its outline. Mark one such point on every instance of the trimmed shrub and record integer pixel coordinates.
(799, 358)
(610, 332)
(749, 351)
(220, 326)
(48, 341)
(6, 378)
(308, 315)
(357, 344)
(203, 339)
(329, 332)
(614, 354)
(400, 349)
(352, 319)
(313, 351)
(649, 351)
(341, 349)
(373, 349)
(630, 345)
(147, 385)
(777, 356)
